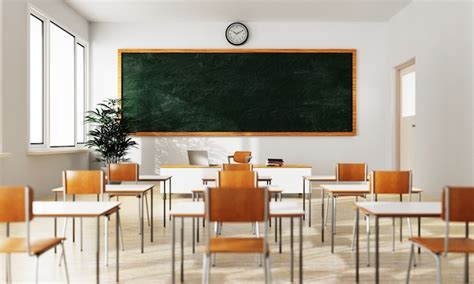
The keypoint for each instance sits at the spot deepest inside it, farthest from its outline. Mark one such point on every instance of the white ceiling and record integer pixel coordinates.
(237, 10)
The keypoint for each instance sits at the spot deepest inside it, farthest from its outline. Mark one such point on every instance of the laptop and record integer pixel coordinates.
(199, 158)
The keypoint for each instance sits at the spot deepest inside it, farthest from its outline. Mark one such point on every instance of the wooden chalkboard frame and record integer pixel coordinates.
(354, 90)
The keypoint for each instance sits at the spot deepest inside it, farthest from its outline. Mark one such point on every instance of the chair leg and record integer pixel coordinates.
(8, 271)
(393, 234)
(265, 267)
(269, 269)
(354, 232)
(37, 269)
(327, 211)
(147, 212)
(65, 263)
(439, 280)
(206, 269)
(412, 255)
(410, 232)
(257, 230)
(82, 234)
(106, 240)
(367, 219)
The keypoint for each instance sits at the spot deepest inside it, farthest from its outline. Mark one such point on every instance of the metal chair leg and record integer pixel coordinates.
(37, 269)
(327, 211)
(354, 232)
(269, 269)
(121, 234)
(410, 232)
(8, 263)
(147, 212)
(367, 219)
(439, 280)
(65, 262)
(412, 255)
(393, 234)
(82, 234)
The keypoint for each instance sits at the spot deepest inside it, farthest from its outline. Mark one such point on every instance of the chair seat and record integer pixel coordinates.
(275, 190)
(236, 245)
(455, 245)
(38, 246)
(197, 190)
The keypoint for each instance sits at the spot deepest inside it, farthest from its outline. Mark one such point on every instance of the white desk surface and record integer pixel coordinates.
(362, 187)
(73, 209)
(260, 178)
(153, 178)
(321, 178)
(120, 188)
(401, 209)
(277, 209)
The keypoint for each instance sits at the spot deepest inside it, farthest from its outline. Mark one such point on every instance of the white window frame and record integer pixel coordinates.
(47, 20)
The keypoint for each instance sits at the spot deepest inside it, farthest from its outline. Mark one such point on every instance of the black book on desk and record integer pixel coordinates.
(274, 162)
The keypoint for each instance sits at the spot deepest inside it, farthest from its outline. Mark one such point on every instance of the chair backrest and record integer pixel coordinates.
(16, 204)
(230, 205)
(237, 167)
(83, 182)
(351, 172)
(122, 172)
(242, 157)
(390, 182)
(457, 203)
(237, 179)
(456, 206)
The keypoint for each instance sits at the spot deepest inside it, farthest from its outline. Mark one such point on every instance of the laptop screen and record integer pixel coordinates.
(198, 158)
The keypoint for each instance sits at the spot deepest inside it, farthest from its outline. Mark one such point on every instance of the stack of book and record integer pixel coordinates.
(274, 162)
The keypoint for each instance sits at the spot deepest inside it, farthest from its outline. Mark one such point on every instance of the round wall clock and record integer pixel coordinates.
(237, 33)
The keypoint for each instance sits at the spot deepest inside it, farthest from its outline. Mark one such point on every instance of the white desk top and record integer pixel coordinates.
(321, 178)
(277, 209)
(362, 187)
(73, 209)
(120, 188)
(188, 209)
(153, 178)
(401, 209)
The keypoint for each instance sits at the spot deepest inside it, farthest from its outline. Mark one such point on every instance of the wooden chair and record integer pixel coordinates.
(237, 179)
(85, 182)
(237, 167)
(386, 183)
(16, 205)
(456, 207)
(227, 205)
(241, 157)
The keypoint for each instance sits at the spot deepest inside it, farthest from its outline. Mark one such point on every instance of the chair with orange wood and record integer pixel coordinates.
(456, 207)
(16, 205)
(241, 157)
(227, 205)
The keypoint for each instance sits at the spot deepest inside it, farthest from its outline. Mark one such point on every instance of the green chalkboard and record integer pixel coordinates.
(238, 92)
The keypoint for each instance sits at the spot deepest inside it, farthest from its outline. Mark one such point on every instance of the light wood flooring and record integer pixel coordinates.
(154, 266)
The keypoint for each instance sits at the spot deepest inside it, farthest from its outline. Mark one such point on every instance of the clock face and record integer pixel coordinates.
(237, 33)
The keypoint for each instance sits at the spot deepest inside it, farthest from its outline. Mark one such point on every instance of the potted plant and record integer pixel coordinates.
(109, 133)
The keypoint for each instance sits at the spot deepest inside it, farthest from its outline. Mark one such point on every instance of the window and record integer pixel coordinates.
(36, 80)
(57, 84)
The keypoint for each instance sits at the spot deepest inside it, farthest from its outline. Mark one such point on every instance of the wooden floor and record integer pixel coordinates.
(154, 266)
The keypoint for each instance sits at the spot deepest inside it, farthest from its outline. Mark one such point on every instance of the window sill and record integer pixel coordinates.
(5, 155)
(55, 152)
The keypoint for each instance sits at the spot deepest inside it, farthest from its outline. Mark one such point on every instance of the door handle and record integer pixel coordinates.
(413, 125)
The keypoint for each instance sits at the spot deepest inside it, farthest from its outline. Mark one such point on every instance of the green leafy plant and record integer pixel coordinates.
(109, 134)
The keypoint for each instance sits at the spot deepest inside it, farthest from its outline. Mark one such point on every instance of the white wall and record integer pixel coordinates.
(439, 35)
(40, 172)
(372, 143)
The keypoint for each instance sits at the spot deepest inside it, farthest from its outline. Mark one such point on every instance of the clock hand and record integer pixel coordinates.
(235, 33)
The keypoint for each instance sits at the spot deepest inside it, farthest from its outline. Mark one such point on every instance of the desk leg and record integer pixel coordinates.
(333, 217)
(169, 190)
(301, 250)
(117, 245)
(276, 229)
(419, 224)
(304, 198)
(142, 226)
(164, 204)
(55, 220)
(357, 245)
(280, 225)
(182, 249)
(377, 249)
(73, 223)
(309, 205)
(322, 215)
(106, 240)
(194, 235)
(292, 250)
(151, 210)
(466, 258)
(97, 256)
(173, 248)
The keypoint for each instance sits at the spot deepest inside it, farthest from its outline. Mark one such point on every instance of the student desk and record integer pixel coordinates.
(197, 210)
(83, 210)
(391, 210)
(132, 189)
(157, 178)
(317, 179)
(336, 189)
